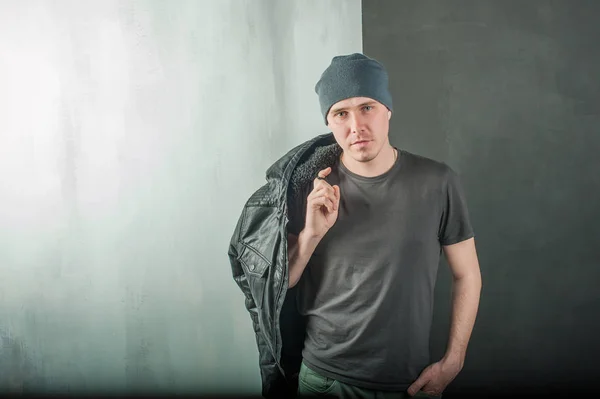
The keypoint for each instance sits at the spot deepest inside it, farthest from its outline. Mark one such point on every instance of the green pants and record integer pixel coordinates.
(312, 384)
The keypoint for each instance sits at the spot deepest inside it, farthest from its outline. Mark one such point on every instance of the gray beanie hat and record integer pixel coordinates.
(354, 75)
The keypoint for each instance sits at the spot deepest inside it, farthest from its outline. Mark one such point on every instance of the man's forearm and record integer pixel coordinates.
(300, 249)
(465, 303)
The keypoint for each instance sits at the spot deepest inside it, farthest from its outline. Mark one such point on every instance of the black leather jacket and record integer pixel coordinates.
(259, 263)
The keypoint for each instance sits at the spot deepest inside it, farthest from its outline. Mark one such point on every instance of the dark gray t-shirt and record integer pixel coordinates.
(367, 291)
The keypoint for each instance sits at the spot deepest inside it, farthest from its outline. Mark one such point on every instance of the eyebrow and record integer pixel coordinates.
(335, 111)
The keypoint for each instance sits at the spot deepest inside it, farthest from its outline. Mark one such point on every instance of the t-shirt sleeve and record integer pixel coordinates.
(455, 223)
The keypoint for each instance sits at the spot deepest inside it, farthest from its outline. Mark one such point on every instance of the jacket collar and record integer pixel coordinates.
(300, 165)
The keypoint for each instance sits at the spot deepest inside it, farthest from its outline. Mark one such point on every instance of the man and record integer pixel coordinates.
(347, 296)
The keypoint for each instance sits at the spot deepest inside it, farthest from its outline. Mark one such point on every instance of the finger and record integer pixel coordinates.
(336, 196)
(324, 194)
(413, 389)
(323, 197)
(322, 174)
(324, 189)
(416, 386)
(325, 172)
(333, 194)
(323, 185)
(323, 201)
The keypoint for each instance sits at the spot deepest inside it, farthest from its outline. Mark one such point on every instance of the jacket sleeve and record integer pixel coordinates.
(273, 382)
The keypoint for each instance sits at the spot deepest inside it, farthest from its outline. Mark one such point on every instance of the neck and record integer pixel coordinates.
(375, 167)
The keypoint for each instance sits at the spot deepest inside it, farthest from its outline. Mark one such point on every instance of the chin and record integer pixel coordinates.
(364, 157)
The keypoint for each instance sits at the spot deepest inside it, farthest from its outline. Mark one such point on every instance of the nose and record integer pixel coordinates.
(356, 122)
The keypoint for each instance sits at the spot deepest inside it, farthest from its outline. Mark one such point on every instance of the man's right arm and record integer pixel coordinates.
(321, 213)
(300, 249)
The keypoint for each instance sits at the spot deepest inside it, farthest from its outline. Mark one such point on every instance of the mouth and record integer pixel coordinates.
(361, 142)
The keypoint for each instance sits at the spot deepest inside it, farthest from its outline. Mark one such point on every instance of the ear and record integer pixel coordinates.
(389, 115)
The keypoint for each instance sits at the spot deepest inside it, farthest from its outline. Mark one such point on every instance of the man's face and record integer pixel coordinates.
(360, 126)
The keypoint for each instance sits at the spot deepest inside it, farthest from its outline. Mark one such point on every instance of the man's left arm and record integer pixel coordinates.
(466, 287)
(466, 290)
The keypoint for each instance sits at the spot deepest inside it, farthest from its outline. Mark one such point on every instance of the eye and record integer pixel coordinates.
(368, 107)
(341, 113)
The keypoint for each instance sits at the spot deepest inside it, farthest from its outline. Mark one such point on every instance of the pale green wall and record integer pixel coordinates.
(131, 134)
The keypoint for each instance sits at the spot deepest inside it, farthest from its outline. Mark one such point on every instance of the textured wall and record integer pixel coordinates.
(131, 134)
(508, 93)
